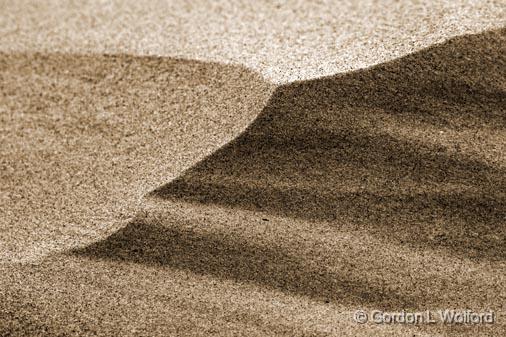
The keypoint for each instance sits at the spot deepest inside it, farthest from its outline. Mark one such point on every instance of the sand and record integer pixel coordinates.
(91, 135)
(162, 174)
(282, 40)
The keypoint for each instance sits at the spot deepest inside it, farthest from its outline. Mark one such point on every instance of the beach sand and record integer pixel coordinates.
(163, 174)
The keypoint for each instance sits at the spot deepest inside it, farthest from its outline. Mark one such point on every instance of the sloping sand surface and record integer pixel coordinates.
(84, 137)
(382, 188)
(413, 150)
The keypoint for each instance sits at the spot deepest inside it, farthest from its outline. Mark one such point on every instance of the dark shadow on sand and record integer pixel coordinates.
(319, 139)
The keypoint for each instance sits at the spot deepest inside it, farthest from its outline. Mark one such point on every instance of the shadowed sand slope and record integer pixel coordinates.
(85, 136)
(412, 150)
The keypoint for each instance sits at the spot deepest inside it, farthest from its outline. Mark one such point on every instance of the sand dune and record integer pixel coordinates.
(382, 188)
(411, 150)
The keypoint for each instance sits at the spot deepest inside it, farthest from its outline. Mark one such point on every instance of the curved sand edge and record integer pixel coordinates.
(84, 137)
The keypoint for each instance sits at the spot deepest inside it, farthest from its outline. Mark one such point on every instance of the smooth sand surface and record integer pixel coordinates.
(157, 195)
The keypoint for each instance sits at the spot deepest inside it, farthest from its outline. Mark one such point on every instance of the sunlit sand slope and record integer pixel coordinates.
(84, 137)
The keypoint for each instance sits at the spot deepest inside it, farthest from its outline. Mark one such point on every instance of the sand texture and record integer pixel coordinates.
(282, 40)
(90, 135)
(197, 169)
